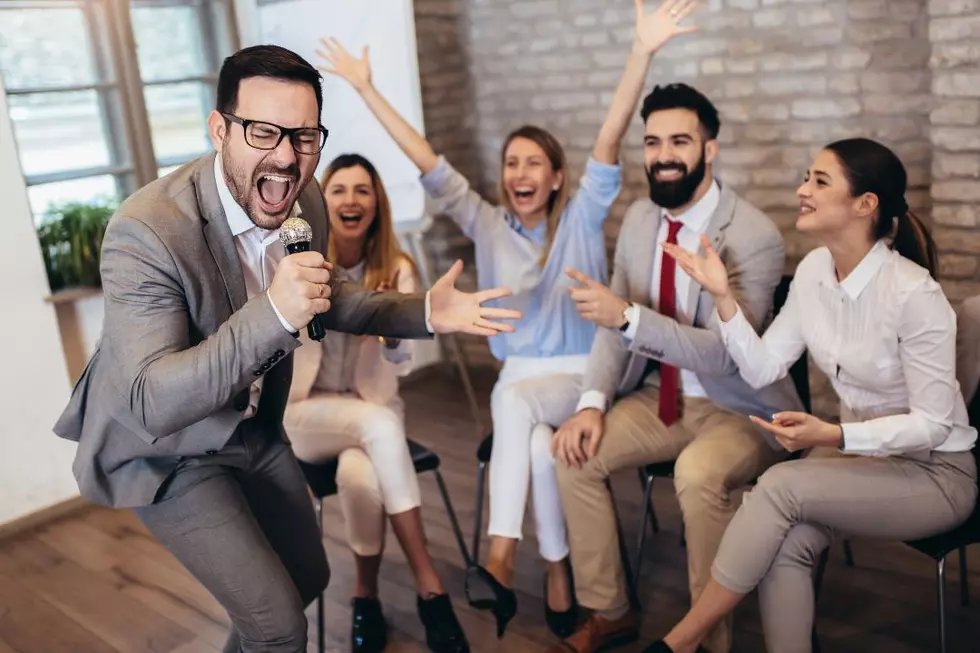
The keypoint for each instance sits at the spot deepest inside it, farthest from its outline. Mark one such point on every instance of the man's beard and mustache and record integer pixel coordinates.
(677, 192)
(241, 187)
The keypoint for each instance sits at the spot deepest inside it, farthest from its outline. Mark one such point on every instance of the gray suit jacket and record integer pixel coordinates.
(752, 248)
(181, 344)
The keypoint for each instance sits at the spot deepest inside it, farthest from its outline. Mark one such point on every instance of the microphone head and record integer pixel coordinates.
(295, 230)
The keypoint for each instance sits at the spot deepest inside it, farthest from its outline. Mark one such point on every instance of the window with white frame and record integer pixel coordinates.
(105, 95)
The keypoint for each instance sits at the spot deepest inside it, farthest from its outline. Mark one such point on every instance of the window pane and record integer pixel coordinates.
(170, 53)
(45, 47)
(89, 189)
(59, 131)
(178, 119)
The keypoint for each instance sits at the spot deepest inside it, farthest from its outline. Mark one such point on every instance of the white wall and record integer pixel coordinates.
(35, 465)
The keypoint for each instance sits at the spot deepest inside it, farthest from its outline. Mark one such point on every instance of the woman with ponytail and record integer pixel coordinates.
(867, 308)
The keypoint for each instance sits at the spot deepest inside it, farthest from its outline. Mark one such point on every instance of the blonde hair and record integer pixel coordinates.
(382, 252)
(558, 199)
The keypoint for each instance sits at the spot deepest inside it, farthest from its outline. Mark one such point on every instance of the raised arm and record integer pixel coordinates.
(357, 72)
(653, 31)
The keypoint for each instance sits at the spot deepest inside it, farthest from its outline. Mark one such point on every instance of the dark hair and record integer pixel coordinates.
(870, 167)
(264, 61)
(682, 96)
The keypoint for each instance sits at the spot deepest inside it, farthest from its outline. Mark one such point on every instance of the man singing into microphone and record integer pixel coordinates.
(179, 412)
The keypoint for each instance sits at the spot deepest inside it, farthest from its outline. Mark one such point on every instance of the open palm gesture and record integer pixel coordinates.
(340, 62)
(654, 29)
(707, 269)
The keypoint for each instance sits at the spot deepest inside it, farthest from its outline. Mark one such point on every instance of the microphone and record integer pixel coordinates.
(296, 235)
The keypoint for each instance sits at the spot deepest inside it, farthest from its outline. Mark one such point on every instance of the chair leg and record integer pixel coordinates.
(964, 579)
(848, 554)
(645, 481)
(818, 576)
(457, 531)
(481, 480)
(624, 556)
(320, 619)
(642, 537)
(941, 595)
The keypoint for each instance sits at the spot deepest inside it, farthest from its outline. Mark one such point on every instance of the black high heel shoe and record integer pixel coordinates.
(443, 634)
(484, 592)
(369, 632)
(563, 623)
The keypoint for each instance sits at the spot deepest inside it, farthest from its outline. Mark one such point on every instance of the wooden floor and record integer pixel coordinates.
(96, 582)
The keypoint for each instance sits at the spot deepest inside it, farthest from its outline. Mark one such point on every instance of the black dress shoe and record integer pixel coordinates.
(485, 592)
(368, 632)
(443, 634)
(658, 647)
(562, 624)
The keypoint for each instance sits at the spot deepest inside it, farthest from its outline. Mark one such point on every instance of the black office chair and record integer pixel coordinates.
(322, 479)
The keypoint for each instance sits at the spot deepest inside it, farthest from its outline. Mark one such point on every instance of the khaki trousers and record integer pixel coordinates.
(716, 451)
(788, 519)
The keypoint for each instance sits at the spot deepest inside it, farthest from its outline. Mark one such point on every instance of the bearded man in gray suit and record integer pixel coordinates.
(179, 411)
(660, 384)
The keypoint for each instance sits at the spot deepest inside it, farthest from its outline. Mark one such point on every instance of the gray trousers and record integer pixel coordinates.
(788, 519)
(241, 521)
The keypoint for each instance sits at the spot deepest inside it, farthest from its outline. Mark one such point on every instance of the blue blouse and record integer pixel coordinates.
(508, 256)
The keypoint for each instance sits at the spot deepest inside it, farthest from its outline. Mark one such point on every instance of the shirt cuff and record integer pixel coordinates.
(858, 438)
(592, 399)
(428, 314)
(633, 317)
(286, 325)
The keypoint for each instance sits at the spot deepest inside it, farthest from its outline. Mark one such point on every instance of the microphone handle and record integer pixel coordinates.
(315, 328)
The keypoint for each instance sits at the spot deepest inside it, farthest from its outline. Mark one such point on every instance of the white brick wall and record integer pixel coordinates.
(787, 76)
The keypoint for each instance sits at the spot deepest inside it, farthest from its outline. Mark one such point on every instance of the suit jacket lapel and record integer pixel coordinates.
(720, 219)
(646, 242)
(217, 233)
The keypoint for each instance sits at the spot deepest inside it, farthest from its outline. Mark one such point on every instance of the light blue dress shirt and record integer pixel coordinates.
(508, 256)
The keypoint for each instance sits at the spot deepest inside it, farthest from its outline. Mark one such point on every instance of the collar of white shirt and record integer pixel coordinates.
(859, 278)
(238, 220)
(697, 217)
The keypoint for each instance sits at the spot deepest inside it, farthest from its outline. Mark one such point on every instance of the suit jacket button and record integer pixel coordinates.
(280, 353)
(265, 366)
(211, 452)
(257, 373)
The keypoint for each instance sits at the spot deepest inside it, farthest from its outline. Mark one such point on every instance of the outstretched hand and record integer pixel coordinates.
(595, 302)
(707, 269)
(654, 29)
(340, 62)
(454, 311)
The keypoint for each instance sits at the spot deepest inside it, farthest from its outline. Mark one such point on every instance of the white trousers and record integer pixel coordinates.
(531, 398)
(375, 474)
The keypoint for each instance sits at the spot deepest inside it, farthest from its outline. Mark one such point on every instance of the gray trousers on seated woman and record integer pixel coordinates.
(789, 518)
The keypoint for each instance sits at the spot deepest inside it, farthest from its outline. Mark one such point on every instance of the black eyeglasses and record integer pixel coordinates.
(267, 136)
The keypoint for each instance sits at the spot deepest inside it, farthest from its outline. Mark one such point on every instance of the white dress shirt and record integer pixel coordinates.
(694, 223)
(886, 337)
(258, 259)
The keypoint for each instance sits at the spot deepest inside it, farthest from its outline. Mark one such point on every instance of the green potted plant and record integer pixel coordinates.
(71, 241)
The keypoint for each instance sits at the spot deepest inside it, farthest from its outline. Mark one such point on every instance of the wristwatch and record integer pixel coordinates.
(626, 319)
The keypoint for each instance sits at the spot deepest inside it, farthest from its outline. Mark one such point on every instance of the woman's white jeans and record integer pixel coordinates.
(532, 397)
(375, 474)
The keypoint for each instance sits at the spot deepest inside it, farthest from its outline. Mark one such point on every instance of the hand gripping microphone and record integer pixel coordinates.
(296, 235)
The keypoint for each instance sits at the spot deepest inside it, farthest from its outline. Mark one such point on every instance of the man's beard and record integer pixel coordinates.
(241, 186)
(678, 192)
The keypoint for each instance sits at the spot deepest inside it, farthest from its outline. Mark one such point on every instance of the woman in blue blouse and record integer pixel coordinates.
(524, 244)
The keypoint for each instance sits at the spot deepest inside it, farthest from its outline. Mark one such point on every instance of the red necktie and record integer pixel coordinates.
(669, 403)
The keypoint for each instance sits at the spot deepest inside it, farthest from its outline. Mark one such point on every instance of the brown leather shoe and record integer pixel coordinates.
(597, 634)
